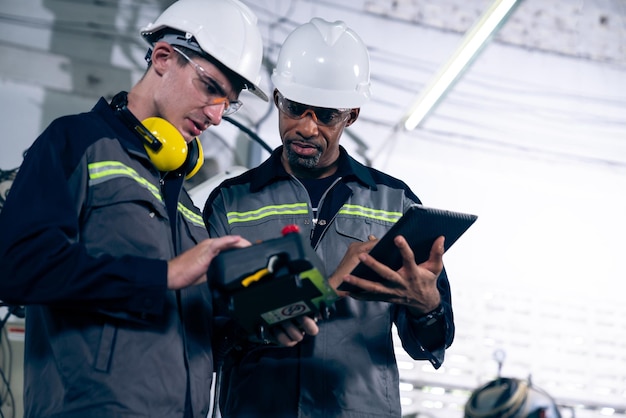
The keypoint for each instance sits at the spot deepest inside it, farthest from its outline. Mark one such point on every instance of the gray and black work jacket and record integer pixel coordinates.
(349, 369)
(86, 234)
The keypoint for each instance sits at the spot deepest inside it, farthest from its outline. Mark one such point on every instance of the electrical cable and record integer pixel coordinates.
(250, 133)
(7, 394)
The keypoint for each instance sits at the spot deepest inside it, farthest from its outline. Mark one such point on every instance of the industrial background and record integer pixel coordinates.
(530, 136)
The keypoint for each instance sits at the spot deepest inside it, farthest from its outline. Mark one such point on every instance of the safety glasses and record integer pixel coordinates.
(215, 93)
(321, 115)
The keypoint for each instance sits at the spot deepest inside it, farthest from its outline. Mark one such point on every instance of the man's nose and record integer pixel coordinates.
(215, 112)
(307, 124)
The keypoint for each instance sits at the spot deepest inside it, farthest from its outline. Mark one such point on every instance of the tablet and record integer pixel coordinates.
(420, 226)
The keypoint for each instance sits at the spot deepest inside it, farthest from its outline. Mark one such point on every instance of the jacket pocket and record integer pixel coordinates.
(359, 229)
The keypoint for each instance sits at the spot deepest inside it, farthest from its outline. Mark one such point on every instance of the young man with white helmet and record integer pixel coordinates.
(103, 245)
(343, 366)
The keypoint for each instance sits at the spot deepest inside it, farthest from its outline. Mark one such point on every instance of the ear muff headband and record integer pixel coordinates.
(165, 145)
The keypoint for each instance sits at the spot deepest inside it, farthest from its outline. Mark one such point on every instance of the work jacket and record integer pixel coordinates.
(86, 234)
(349, 369)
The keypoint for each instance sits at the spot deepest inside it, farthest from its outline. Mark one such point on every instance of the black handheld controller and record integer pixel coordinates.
(270, 282)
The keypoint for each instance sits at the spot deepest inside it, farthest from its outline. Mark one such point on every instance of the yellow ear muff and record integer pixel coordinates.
(173, 150)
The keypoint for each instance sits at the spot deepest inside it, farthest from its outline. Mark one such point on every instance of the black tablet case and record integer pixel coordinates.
(420, 226)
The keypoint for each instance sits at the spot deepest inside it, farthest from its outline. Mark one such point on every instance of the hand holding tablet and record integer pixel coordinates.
(420, 226)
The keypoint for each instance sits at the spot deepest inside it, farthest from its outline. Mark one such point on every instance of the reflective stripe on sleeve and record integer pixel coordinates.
(190, 215)
(103, 171)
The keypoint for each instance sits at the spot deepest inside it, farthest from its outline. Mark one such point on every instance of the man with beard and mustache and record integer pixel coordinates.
(343, 366)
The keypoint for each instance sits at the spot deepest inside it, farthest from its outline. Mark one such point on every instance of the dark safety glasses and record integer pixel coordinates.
(321, 115)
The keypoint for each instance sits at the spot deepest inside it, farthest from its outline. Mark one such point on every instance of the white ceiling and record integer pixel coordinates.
(91, 48)
(586, 29)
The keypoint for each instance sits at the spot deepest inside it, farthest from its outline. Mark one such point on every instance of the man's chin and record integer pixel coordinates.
(308, 163)
(303, 161)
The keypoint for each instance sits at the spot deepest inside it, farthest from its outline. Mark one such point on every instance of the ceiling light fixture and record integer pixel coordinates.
(475, 38)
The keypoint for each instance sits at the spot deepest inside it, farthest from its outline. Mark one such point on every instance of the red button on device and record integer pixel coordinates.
(289, 229)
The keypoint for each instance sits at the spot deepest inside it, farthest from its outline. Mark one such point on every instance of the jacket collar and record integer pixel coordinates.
(272, 170)
(124, 134)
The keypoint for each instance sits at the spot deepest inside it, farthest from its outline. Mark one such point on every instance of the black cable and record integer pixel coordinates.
(250, 133)
(3, 377)
(6, 317)
(6, 176)
(5, 381)
(5, 365)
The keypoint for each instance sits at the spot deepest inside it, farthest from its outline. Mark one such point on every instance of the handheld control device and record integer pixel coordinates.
(271, 282)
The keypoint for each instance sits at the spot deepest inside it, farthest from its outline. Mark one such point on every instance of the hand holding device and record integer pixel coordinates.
(271, 282)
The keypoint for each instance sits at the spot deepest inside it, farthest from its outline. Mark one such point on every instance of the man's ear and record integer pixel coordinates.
(275, 94)
(354, 115)
(163, 55)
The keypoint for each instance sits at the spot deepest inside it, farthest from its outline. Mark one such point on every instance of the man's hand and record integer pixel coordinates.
(290, 333)
(349, 262)
(412, 285)
(190, 267)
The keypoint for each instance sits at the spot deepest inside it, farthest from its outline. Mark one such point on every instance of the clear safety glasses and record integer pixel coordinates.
(217, 95)
(321, 115)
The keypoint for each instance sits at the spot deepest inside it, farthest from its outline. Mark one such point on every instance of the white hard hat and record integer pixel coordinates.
(323, 64)
(224, 29)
